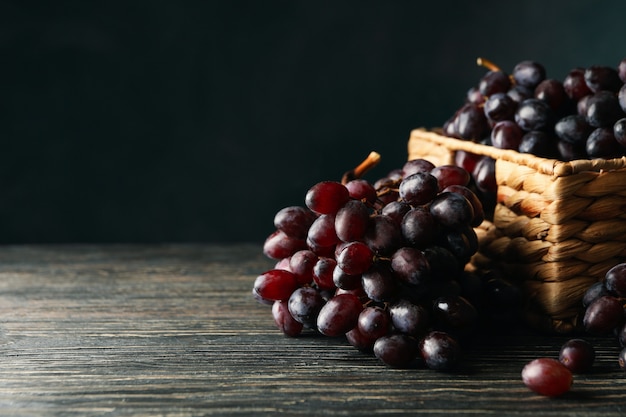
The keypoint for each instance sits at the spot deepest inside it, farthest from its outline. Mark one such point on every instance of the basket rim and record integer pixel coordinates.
(553, 167)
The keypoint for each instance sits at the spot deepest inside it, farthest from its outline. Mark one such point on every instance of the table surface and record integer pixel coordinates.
(120, 330)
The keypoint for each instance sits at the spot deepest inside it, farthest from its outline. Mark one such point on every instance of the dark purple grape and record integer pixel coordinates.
(360, 341)
(355, 258)
(345, 281)
(419, 188)
(301, 264)
(615, 280)
(474, 96)
(410, 266)
(339, 315)
(567, 151)
(494, 82)
(305, 304)
(602, 78)
(418, 227)
(538, 143)
(499, 106)
(279, 245)
(374, 322)
(519, 93)
(547, 376)
(360, 189)
(396, 210)
(577, 355)
(595, 291)
(534, 114)
(379, 283)
(603, 109)
(528, 74)
(284, 320)
(603, 316)
(573, 128)
(450, 175)
(552, 92)
(470, 122)
(326, 197)
(416, 165)
(485, 175)
(455, 315)
(396, 350)
(440, 351)
(574, 84)
(619, 131)
(383, 235)
(506, 135)
(322, 231)
(462, 243)
(601, 143)
(351, 221)
(452, 210)
(322, 273)
(294, 221)
(275, 284)
(477, 205)
(409, 318)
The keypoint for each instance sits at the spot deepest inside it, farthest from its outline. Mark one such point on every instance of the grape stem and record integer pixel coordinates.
(368, 163)
(483, 62)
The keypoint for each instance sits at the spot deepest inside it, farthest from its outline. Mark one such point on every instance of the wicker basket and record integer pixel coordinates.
(557, 226)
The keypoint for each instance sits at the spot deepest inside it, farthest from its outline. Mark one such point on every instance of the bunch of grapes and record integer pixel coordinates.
(383, 265)
(583, 116)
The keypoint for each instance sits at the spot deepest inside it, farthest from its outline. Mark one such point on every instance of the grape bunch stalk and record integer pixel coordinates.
(383, 265)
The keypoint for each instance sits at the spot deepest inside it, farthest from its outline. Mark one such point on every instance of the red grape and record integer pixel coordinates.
(547, 376)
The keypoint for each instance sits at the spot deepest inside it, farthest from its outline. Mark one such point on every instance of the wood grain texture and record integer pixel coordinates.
(174, 330)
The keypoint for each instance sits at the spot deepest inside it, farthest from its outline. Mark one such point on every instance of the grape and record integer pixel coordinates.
(568, 151)
(322, 231)
(383, 235)
(416, 165)
(374, 322)
(466, 160)
(409, 318)
(439, 350)
(621, 98)
(339, 315)
(419, 188)
(443, 264)
(534, 114)
(574, 84)
(294, 221)
(485, 175)
(455, 314)
(603, 315)
(411, 266)
(450, 175)
(603, 109)
(345, 281)
(275, 284)
(379, 283)
(573, 128)
(474, 96)
(462, 243)
(301, 264)
(615, 280)
(577, 355)
(552, 92)
(499, 106)
(418, 227)
(538, 143)
(602, 78)
(470, 122)
(322, 273)
(326, 197)
(360, 189)
(279, 245)
(601, 143)
(284, 320)
(355, 258)
(519, 93)
(547, 376)
(528, 74)
(360, 341)
(305, 304)
(621, 70)
(396, 350)
(351, 221)
(595, 291)
(619, 131)
(396, 210)
(506, 135)
(494, 82)
(477, 205)
(451, 210)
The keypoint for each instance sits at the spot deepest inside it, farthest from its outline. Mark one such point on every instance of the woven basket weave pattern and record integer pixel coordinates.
(557, 226)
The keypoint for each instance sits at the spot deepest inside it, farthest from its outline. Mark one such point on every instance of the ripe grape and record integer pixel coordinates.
(374, 322)
(383, 235)
(360, 189)
(452, 210)
(275, 284)
(552, 92)
(322, 273)
(396, 210)
(603, 315)
(355, 258)
(396, 350)
(499, 106)
(547, 376)
(455, 314)
(339, 315)
(494, 82)
(506, 135)
(326, 197)
(534, 114)
(615, 280)
(351, 221)
(294, 221)
(601, 143)
(602, 78)
(279, 245)
(419, 188)
(416, 165)
(301, 264)
(439, 350)
(574, 84)
(418, 227)
(304, 305)
(284, 320)
(447, 175)
(379, 283)
(603, 109)
(573, 128)
(619, 131)
(577, 355)
(322, 231)
(529, 74)
(411, 266)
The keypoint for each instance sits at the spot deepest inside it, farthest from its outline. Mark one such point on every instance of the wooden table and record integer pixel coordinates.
(174, 330)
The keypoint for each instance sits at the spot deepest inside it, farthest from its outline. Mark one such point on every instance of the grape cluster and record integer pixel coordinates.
(583, 116)
(605, 308)
(383, 265)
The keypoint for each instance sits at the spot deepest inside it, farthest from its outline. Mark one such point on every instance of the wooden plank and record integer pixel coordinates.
(173, 330)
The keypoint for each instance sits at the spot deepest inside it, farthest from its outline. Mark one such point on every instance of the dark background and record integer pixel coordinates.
(163, 121)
